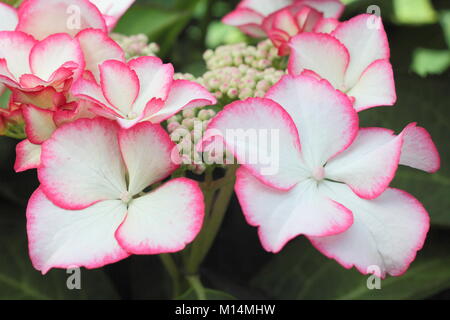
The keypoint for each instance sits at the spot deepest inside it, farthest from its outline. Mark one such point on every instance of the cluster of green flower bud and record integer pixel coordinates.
(239, 83)
(187, 129)
(135, 45)
(240, 71)
(259, 57)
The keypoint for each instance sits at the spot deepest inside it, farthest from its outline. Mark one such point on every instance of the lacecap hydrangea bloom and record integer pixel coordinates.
(91, 208)
(251, 15)
(332, 178)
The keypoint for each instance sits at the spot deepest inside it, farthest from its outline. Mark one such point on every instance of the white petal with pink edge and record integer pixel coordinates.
(243, 16)
(376, 87)
(265, 7)
(264, 139)
(39, 124)
(41, 18)
(183, 95)
(53, 53)
(419, 150)
(326, 25)
(369, 164)
(320, 53)
(366, 41)
(285, 21)
(164, 220)
(386, 234)
(330, 8)
(325, 118)
(98, 47)
(61, 238)
(144, 169)
(89, 90)
(284, 215)
(28, 156)
(112, 10)
(15, 48)
(120, 85)
(155, 80)
(81, 164)
(9, 16)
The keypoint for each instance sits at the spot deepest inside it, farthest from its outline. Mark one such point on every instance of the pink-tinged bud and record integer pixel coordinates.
(224, 87)
(208, 54)
(175, 118)
(263, 85)
(213, 84)
(232, 93)
(171, 127)
(249, 59)
(188, 123)
(243, 68)
(188, 113)
(238, 60)
(262, 64)
(203, 115)
(245, 93)
(260, 93)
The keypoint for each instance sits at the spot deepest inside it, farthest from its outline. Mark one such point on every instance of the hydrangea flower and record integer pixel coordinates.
(284, 24)
(41, 72)
(91, 208)
(354, 59)
(37, 71)
(332, 182)
(250, 15)
(141, 90)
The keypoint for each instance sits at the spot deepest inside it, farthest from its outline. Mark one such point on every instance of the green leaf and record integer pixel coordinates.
(147, 19)
(445, 23)
(301, 272)
(220, 34)
(210, 295)
(162, 24)
(19, 280)
(427, 61)
(424, 101)
(414, 12)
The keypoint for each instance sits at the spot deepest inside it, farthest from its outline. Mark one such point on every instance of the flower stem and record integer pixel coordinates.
(197, 286)
(173, 272)
(217, 197)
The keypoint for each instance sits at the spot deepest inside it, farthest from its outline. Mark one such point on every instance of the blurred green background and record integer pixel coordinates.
(419, 34)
